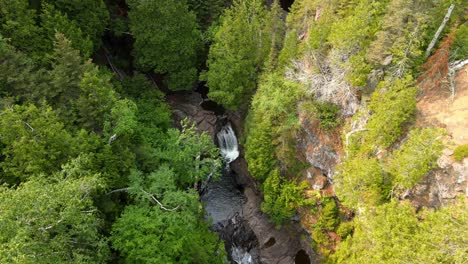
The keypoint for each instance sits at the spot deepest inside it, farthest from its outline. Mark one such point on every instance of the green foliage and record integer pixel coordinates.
(322, 27)
(460, 152)
(151, 235)
(416, 157)
(154, 115)
(96, 99)
(327, 113)
(459, 50)
(282, 197)
(359, 181)
(277, 30)
(86, 128)
(193, 157)
(35, 142)
(122, 120)
(276, 97)
(240, 46)
(18, 23)
(54, 21)
(260, 156)
(390, 231)
(289, 50)
(380, 236)
(401, 35)
(18, 73)
(345, 229)
(44, 222)
(91, 16)
(351, 36)
(166, 40)
(67, 70)
(392, 105)
(165, 225)
(32, 30)
(443, 234)
(328, 215)
(207, 12)
(268, 121)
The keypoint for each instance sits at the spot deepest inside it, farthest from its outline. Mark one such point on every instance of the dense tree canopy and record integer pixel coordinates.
(393, 232)
(51, 222)
(240, 46)
(93, 171)
(167, 40)
(32, 27)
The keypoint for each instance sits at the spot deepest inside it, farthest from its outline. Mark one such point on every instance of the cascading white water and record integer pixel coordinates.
(228, 143)
(239, 256)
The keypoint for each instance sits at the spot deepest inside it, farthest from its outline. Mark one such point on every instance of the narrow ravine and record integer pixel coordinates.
(234, 202)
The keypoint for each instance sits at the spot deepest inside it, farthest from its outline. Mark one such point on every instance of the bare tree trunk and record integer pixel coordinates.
(436, 36)
(119, 74)
(453, 68)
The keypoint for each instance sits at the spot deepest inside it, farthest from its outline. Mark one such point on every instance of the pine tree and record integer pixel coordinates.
(240, 46)
(167, 40)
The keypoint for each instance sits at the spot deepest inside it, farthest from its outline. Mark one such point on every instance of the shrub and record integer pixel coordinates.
(328, 218)
(345, 229)
(359, 181)
(461, 152)
(416, 157)
(328, 115)
(282, 197)
(392, 105)
(326, 112)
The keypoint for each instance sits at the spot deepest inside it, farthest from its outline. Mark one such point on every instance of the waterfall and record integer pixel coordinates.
(240, 256)
(228, 143)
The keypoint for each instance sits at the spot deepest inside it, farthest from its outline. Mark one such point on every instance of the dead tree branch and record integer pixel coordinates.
(453, 68)
(159, 203)
(119, 190)
(26, 123)
(441, 27)
(149, 195)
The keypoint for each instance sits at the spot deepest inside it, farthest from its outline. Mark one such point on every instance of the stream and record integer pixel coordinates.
(233, 203)
(224, 201)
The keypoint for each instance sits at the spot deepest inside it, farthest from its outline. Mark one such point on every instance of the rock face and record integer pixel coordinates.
(237, 234)
(437, 108)
(290, 244)
(318, 148)
(276, 246)
(250, 230)
(188, 105)
(442, 185)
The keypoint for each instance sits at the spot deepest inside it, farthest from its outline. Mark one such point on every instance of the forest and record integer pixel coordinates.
(94, 168)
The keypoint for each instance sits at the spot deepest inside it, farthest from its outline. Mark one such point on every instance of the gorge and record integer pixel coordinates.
(233, 203)
(233, 131)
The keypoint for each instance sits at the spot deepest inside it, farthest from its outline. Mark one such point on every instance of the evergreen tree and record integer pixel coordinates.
(20, 78)
(51, 222)
(394, 231)
(416, 157)
(240, 46)
(166, 40)
(53, 21)
(18, 23)
(91, 16)
(207, 11)
(281, 197)
(35, 142)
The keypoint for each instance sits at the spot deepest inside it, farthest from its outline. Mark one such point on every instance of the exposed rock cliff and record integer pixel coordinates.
(436, 108)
